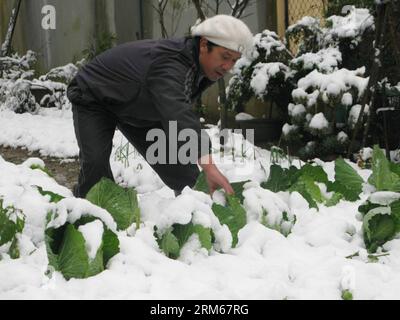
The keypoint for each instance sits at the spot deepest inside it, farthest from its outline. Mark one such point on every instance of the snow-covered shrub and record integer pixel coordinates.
(266, 75)
(307, 33)
(18, 96)
(21, 92)
(325, 109)
(63, 74)
(354, 35)
(326, 102)
(16, 67)
(14, 82)
(320, 94)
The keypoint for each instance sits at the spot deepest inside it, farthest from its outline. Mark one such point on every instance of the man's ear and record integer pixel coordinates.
(203, 45)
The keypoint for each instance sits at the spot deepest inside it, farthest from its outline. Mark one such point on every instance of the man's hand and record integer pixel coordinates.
(214, 177)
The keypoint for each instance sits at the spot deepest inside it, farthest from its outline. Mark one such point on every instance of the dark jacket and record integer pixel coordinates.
(145, 81)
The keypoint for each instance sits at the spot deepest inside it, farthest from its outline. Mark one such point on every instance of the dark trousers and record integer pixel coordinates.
(94, 130)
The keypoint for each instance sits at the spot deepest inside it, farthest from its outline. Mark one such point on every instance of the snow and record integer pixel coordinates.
(56, 138)
(347, 99)
(384, 197)
(269, 41)
(342, 136)
(353, 25)
(308, 264)
(243, 116)
(72, 209)
(335, 82)
(326, 60)
(262, 74)
(305, 22)
(266, 40)
(287, 128)
(92, 233)
(259, 201)
(319, 122)
(355, 113)
(366, 153)
(296, 110)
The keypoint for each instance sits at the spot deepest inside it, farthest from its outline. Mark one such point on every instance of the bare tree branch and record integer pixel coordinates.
(199, 10)
(238, 7)
(160, 9)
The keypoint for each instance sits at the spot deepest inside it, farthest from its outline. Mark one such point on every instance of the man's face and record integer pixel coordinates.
(218, 61)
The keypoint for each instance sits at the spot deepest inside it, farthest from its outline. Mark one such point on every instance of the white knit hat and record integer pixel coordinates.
(226, 31)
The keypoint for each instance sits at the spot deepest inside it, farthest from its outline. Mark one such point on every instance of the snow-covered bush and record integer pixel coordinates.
(354, 35)
(266, 75)
(327, 100)
(14, 82)
(321, 97)
(21, 92)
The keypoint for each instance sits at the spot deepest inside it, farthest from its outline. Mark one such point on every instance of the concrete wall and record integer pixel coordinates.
(78, 23)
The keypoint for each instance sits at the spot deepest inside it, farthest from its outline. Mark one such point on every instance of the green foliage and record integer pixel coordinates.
(233, 215)
(334, 200)
(120, 202)
(280, 179)
(347, 181)
(12, 222)
(44, 169)
(384, 174)
(169, 244)
(347, 295)
(54, 197)
(172, 240)
(201, 185)
(301, 180)
(381, 218)
(381, 223)
(306, 186)
(66, 250)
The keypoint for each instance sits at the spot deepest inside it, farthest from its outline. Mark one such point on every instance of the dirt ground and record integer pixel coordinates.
(65, 173)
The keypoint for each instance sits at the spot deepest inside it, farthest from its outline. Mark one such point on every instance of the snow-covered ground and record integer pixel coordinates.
(310, 263)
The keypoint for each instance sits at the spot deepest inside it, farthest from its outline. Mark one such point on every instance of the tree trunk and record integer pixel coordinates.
(6, 46)
(374, 76)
